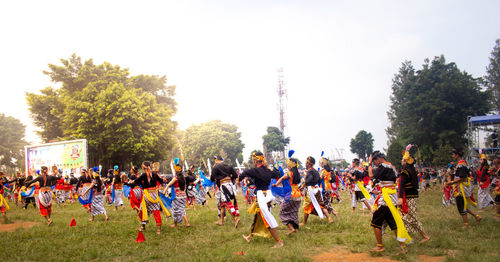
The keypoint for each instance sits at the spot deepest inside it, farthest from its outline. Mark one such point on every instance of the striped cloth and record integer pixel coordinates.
(152, 206)
(60, 196)
(289, 212)
(178, 208)
(118, 197)
(45, 198)
(97, 205)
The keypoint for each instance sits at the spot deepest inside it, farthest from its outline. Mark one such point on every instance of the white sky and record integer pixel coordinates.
(339, 57)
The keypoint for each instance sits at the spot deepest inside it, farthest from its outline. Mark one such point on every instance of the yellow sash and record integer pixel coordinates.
(19, 197)
(466, 199)
(3, 202)
(150, 199)
(403, 235)
(363, 190)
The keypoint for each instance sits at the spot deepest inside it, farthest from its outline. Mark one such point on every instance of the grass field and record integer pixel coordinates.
(204, 241)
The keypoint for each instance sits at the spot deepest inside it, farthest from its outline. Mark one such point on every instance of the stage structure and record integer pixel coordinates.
(476, 124)
(66, 155)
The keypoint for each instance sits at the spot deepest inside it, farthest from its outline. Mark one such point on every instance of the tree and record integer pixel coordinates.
(46, 110)
(212, 138)
(442, 155)
(362, 144)
(429, 107)
(274, 142)
(493, 75)
(124, 118)
(11, 142)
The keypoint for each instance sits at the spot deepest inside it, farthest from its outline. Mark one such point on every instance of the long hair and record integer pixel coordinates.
(181, 180)
(296, 175)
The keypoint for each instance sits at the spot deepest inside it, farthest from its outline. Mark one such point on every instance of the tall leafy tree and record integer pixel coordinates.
(208, 139)
(362, 144)
(124, 118)
(46, 110)
(11, 142)
(274, 140)
(429, 107)
(492, 76)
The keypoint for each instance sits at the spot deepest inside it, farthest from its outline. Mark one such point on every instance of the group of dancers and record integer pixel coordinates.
(390, 196)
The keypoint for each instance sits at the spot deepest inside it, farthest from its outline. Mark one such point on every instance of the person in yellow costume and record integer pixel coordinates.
(385, 210)
(461, 187)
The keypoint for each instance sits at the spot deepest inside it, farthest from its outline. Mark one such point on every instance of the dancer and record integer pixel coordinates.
(264, 224)
(179, 202)
(483, 180)
(224, 176)
(117, 190)
(289, 211)
(97, 204)
(313, 202)
(326, 185)
(150, 203)
(45, 196)
(384, 203)
(360, 193)
(4, 206)
(461, 187)
(191, 188)
(408, 195)
(85, 182)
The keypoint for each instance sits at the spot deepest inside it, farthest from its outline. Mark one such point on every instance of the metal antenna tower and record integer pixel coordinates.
(282, 95)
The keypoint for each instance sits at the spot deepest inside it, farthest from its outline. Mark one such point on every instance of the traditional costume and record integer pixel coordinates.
(224, 176)
(150, 203)
(408, 192)
(179, 190)
(484, 199)
(264, 224)
(289, 211)
(117, 188)
(45, 196)
(313, 200)
(385, 203)
(83, 185)
(326, 185)
(359, 192)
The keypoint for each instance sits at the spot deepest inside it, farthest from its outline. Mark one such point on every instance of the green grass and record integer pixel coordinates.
(204, 241)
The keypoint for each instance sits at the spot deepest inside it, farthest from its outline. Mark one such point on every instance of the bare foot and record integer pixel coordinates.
(330, 221)
(158, 231)
(49, 222)
(173, 225)
(425, 240)
(247, 238)
(403, 249)
(236, 223)
(218, 223)
(302, 224)
(106, 219)
(379, 249)
(278, 245)
(478, 219)
(188, 225)
(465, 226)
(291, 231)
(91, 219)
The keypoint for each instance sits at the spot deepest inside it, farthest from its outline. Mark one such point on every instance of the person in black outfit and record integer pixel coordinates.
(224, 176)
(262, 176)
(45, 196)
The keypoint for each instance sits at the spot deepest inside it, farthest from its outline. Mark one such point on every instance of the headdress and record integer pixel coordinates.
(258, 156)
(406, 155)
(292, 162)
(177, 167)
(311, 160)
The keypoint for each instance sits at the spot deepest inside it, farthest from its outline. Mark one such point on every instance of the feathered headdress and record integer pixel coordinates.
(406, 155)
(290, 161)
(177, 167)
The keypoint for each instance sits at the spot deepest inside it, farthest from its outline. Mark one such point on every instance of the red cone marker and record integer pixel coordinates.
(73, 223)
(140, 237)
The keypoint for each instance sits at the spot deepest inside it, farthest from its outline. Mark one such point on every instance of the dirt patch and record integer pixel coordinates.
(425, 258)
(18, 224)
(347, 256)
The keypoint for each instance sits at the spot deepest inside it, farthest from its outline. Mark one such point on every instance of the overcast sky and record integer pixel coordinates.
(338, 57)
